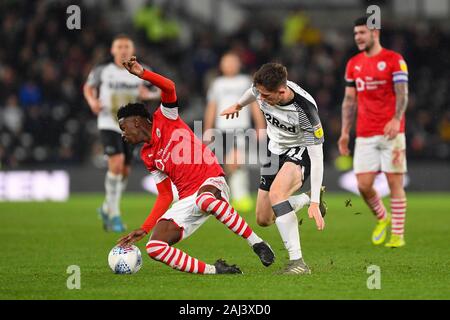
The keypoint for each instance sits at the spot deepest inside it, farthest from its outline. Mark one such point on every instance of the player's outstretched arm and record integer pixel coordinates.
(233, 111)
(167, 86)
(162, 204)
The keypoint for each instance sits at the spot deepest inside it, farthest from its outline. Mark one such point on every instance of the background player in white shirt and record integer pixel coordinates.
(108, 87)
(295, 142)
(224, 91)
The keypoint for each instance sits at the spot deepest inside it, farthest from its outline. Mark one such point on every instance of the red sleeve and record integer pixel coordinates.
(162, 204)
(349, 78)
(399, 68)
(167, 86)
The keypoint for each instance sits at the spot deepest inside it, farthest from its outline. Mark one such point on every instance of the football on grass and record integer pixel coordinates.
(125, 260)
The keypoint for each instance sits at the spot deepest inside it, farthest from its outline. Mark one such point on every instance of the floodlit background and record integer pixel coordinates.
(46, 125)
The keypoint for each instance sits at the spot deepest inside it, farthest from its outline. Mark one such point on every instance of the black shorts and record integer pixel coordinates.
(113, 143)
(297, 155)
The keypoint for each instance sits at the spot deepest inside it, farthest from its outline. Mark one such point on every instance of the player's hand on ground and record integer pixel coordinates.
(132, 237)
(232, 111)
(133, 66)
(343, 145)
(95, 105)
(314, 212)
(392, 128)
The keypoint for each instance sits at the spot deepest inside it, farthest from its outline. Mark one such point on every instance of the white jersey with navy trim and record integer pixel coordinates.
(295, 124)
(117, 87)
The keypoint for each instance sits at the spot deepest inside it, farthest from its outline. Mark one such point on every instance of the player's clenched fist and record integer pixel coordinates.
(133, 66)
(314, 212)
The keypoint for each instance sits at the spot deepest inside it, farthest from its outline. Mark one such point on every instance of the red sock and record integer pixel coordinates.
(175, 258)
(377, 207)
(223, 212)
(398, 208)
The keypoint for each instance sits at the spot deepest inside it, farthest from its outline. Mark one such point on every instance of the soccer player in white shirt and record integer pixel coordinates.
(295, 142)
(108, 87)
(225, 90)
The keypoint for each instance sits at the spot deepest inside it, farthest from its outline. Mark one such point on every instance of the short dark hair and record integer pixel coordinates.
(271, 76)
(121, 36)
(361, 21)
(133, 109)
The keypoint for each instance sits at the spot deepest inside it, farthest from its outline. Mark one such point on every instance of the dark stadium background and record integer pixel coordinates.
(45, 123)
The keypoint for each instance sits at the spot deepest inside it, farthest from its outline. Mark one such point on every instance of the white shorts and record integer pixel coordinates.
(185, 212)
(378, 154)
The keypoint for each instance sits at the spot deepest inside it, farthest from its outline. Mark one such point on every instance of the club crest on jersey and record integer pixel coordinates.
(381, 65)
(318, 132)
(403, 66)
(159, 165)
(158, 133)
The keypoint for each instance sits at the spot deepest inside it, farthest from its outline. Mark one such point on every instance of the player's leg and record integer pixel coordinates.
(168, 232)
(367, 164)
(212, 198)
(287, 181)
(112, 143)
(398, 209)
(113, 186)
(116, 220)
(394, 164)
(264, 213)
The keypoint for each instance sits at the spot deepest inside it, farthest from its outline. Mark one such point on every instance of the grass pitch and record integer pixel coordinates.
(40, 240)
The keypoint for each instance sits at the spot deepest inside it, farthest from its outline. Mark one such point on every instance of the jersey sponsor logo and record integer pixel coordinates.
(381, 65)
(122, 85)
(277, 123)
(403, 66)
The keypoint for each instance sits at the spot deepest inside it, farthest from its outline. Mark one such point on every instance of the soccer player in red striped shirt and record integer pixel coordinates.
(173, 154)
(377, 87)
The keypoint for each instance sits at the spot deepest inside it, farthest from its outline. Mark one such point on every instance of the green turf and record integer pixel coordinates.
(40, 240)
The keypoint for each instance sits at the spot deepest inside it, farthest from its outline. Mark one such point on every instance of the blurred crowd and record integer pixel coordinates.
(43, 65)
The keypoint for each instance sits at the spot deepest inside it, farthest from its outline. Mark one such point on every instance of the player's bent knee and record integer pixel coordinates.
(264, 222)
(364, 187)
(155, 248)
(204, 200)
(167, 231)
(276, 197)
(116, 164)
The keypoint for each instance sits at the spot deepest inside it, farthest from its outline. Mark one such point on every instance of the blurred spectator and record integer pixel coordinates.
(44, 118)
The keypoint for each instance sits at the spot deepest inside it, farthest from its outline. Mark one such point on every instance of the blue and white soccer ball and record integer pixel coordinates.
(125, 260)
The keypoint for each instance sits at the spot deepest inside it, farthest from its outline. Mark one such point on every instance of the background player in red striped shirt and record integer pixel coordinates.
(377, 87)
(172, 153)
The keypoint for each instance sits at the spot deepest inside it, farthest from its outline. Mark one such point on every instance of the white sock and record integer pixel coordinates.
(239, 184)
(253, 239)
(287, 225)
(113, 193)
(299, 201)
